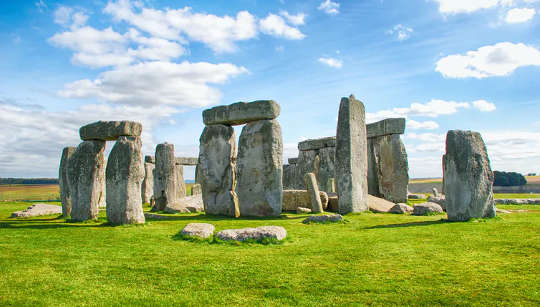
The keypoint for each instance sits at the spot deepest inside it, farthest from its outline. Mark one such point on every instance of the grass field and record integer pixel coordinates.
(379, 259)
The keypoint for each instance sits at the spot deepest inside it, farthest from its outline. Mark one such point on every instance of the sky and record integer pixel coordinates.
(442, 64)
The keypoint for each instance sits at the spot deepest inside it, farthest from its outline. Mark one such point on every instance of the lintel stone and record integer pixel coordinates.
(110, 130)
(315, 144)
(186, 161)
(386, 127)
(241, 113)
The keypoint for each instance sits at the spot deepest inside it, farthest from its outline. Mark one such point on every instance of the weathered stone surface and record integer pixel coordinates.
(293, 199)
(216, 170)
(333, 202)
(302, 210)
(289, 176)
(110, 130)
(181, 189)
(125, 173)
(38, 210)
(351, 157)
(331, 185)
(386, 127)
(259, 169)
(166, 185)
(147, 190)
(314, 144)
(293, 160)
(327, 218)
(468, 179)
(517, 201)
(313, 191)
(435, 192)
(188, 204)
(388, 171)
(65, 194)
(150, 159)
(416, 196)
(199, 230)
(319, 161)
(196, 189)
(441, 200)
(263, 232)
(186, 161)
(86, 175)
(379, 205)
(241, 113)
(426, 208)
(401, 208)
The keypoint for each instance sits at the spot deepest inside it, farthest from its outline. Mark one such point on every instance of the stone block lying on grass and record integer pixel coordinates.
(301, 210)
(427, 208)
(401, 208)
(379, 205)
(38, 210)
(327, 218)
(441, 200)
(198, 230)
(416, 196)
(187, 204)
(263, 232)
(293, 199)
(518, 201)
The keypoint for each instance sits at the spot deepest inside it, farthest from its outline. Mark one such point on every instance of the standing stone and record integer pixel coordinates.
(125, 173)
(65, 194)
(468, 179)
(351, 157)
(313, 190)
(196, 189)
(259, 169)
(86, 175)
(216, 170)
(148, 183)
(181, 190)
(435, 192)
(165, 177)
(331, 185)
(289, 176)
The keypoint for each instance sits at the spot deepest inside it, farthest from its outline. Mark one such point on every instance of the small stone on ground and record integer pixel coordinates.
(38, 210)
(301, 210)
(401, 208)
(200, 230)
(327, 218)
(427, 208)
(263, 232)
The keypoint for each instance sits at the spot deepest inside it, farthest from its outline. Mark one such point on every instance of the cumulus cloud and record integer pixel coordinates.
(433, 108)
(496, 60)
(275, 25)
(401, 32)
(468, 6)
(484, 106)
(296, 20)
(519, 15)
(153, 83)
(331, 62)
(427, 125)
(329, 7)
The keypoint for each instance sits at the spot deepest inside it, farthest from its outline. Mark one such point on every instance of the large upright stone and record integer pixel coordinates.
(241, 113)
(124, 175)
(86, 175)
(181, 190)
(216, 170)
(165, 177)
(65, 194)
(351, 156)
(313, 189)
(147, 190)
(468, 179)
(110, 130)
(259, 169)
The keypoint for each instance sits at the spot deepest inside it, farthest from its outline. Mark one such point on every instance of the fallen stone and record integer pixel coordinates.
(65, 194)
(427, 208)
(441, 200)
(188, 204)
(38, 210)
(166, 185)
(468, 179)
(147, 190)
(292, 199)
(314, 195)
(124, 176)
(302, 210)
(216, 170)
(263, 232)
(259, 169)
(314, 144)
(379, 205)
(327, 218)
(386, 127)
(150, 159)
(401, 208)
(187, 161)
(351, 157)
(156, 216)
(416, 196)
(241, 113)
(199, 230)
(110, 130)
(196, 189)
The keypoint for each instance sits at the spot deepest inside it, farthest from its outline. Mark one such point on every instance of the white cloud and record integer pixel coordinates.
(154, 83)
(329, 7)
(427, 125)
(332, 62)
(275, 25)
(433, 108)
(402, 32)
(484, 106)
(62, 15)
(518, 15)
(469, 6)
(296, 20)
(496, 60)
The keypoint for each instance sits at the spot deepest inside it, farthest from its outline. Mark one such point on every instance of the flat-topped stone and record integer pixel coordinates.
(150, 159)
(110, 130)
(401, 208)
(379, 205)
(386, 127)
(314, 144)
(327, 218)
(186, 161)
(293, 160)
(199, 230)
(427, 208)
(241, 113)
(263, 232)
(38, 210)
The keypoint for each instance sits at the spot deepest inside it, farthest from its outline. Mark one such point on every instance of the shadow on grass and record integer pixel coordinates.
(204, 217)
(412, 224)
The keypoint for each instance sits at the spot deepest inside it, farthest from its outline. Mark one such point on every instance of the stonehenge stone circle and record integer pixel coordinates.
(65, 194)
(386, 127)
(124, 176)
(166, 185)
(216, 170)
(468, 179)
(37, 210)
(427, 208)
(259, 169)
(292, 199)
(147, 190)
(109, 130)
(241, 113)
(313, 190)
(351, 157)
(86, 176)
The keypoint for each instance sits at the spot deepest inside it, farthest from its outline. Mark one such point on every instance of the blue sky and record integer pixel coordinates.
(443, 64)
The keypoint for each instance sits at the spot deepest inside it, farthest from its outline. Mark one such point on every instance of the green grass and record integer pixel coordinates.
(515, 195)
(373, 259)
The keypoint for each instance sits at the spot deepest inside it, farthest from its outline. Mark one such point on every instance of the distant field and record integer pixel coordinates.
(530, 180)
